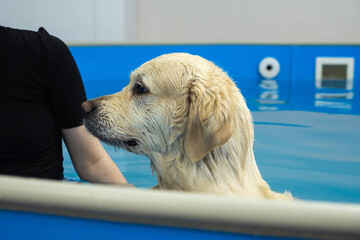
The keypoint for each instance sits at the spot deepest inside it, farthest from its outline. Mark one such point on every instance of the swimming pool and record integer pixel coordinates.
(306, 139)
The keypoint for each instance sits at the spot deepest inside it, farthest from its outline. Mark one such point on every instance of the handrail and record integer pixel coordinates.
(233, 214)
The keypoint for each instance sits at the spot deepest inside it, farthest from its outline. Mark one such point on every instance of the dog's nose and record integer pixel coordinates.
(88, 107)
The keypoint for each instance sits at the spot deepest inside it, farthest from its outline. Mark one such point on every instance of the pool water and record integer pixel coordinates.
(313, 155)
(303, 144)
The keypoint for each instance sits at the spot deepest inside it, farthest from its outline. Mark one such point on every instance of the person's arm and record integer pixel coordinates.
(91, 161)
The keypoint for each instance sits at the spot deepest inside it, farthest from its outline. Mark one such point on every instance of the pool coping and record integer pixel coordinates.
(305, 219)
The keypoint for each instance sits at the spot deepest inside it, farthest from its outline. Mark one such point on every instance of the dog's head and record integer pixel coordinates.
(174, 103)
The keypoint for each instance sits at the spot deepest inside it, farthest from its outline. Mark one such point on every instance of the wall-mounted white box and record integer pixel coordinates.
(334, 72)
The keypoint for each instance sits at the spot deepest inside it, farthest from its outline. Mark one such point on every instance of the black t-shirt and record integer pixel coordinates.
(41, 92)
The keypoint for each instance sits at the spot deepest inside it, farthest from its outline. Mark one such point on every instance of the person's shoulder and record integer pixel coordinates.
(10, 31)
(48, 37)
(52, 43)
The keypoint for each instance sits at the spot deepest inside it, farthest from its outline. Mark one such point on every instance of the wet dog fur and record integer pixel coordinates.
(188, 117)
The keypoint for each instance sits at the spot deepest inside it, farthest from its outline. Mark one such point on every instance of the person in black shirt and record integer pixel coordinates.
(41, 92)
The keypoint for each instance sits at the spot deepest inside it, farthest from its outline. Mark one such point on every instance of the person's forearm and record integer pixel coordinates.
(104, 171)
(91, 161)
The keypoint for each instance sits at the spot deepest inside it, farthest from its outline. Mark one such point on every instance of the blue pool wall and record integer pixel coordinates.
(44, 226)
(112, 65)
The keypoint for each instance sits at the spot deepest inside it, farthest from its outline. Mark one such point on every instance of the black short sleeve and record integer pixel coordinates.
(41, 92)
(66, 89)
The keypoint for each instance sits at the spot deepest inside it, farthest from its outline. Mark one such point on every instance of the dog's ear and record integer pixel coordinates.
(209, 121)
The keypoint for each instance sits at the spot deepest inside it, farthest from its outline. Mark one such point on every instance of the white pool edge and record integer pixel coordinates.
(322, 220)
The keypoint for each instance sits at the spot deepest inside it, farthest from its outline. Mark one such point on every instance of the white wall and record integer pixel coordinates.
(249, 21)
(74, 21)
(189, 21)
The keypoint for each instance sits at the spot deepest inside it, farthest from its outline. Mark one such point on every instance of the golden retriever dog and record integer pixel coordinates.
(188, 117)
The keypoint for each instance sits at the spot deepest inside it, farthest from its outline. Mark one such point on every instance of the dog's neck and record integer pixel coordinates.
(221, 171)
(227, 170)
(206, 162)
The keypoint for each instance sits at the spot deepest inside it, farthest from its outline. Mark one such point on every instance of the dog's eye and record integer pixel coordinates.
(140, 89)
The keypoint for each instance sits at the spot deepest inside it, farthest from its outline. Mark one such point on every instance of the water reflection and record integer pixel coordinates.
(269, 95)
(342, 100)
(274, 95)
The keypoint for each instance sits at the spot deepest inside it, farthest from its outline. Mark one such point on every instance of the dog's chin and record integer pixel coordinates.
(111, 138)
